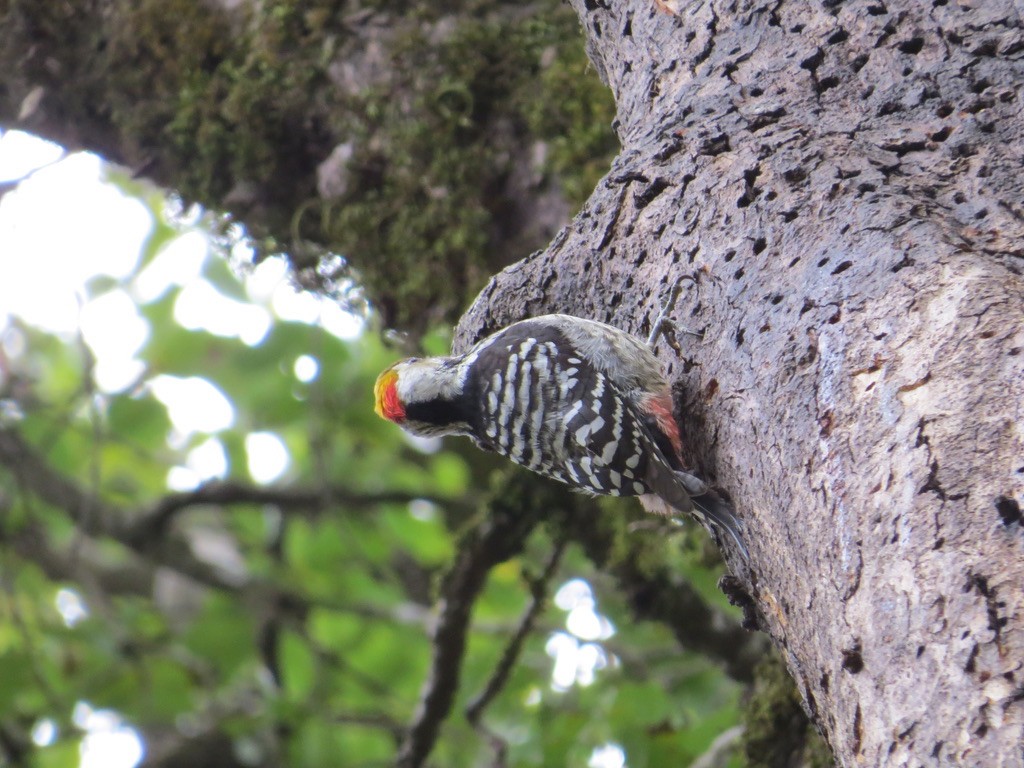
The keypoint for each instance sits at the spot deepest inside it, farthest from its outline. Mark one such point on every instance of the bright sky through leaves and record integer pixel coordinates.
(64, 226)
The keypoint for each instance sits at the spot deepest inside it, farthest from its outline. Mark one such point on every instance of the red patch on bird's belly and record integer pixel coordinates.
(660, 407)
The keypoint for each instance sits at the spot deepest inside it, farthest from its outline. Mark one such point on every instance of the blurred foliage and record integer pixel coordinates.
(312, 647)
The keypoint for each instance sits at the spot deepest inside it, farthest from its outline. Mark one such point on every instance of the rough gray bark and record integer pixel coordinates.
(842, 184)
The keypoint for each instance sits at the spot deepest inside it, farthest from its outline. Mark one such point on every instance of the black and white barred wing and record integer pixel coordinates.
(602, 439)
(516, 378)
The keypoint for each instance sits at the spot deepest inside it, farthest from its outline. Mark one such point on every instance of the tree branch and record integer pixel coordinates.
(498, 680)
(225, 493)
(515, 509)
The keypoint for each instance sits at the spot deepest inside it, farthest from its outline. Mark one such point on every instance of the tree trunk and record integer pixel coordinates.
(839, 187)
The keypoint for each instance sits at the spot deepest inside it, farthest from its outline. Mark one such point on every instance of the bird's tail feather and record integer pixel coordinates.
(687, 493)
(720, 514)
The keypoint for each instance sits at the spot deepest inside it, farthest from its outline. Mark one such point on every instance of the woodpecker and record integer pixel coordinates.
(572, 399)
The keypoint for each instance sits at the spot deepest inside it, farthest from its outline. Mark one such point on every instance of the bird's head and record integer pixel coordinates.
(422, 396)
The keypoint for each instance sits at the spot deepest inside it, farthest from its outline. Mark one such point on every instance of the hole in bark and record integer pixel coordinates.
(793, 263)
(823, 262)
(938, 744)
(788, 216)
(876, 10)
(729, 255)
(865, 188)
(920, 650)
(905, 262)
(652, 191)
(945, 110)
(797, 29)
(942, 134)
(912, 46)
(902, 148)
(777, 298)
(825, 422)
(596, 27)
(627, 28)
(890, 107)
(1014, 351)
(813, 61)
(969, 667)
(932, 485)
(958, 198)
(770, 195)
(739, 337)
(842, 267)
(858, 63)
(836, 317)
(838, 36)
(827, 82)
(823, 682)
(714, 145)
(794, 175)
(987, 127)
(986, 48)
(755, 92)
(738, 274)
(939, 543)
(759, 245)
(978, 106)
(853, 662)
(765, 328)
(982, 730)
(907, 71)
(980, 86)
(1008, 509)
(807, 307)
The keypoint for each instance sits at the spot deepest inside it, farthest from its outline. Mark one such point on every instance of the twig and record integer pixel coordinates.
(718, 753)
(499, 678)
(223, 493)
(496, 540)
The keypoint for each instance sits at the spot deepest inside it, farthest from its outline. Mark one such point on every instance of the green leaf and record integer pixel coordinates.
(298, 666)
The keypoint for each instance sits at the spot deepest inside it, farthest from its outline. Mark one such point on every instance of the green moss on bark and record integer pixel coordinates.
(217, 97)
(438, 144)
(777, 732)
